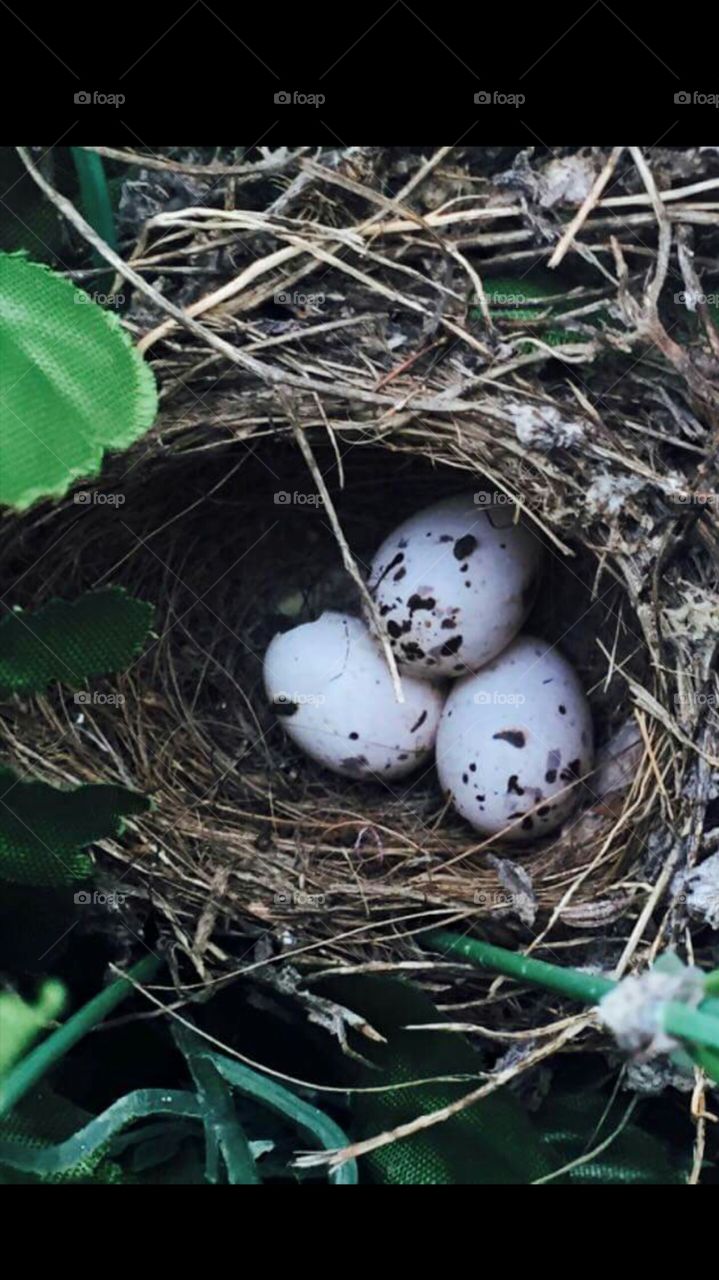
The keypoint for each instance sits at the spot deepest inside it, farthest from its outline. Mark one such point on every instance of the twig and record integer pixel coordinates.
(585, 208)
(347, 557)
(272, 164)
(692, 282)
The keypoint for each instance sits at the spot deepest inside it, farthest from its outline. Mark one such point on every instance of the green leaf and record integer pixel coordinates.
(309, 1120)
(708, 1060)
(711, 986)
(574, 1123)
(492, 1141)
(43, 829)
(71, 384)
(26, 1075)
(99, 633)
(95, 195)
(34, 1126)
(78, 1152)
(21, 1022)
(522, 300)
(706, 1056)
(224, 1135)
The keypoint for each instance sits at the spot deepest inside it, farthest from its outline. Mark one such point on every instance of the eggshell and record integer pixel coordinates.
(330, 684)
(513, 738)
(454, 583)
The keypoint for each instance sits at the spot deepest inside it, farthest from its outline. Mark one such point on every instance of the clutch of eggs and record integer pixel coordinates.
(330, 683)
(513, 740)
(454, 583)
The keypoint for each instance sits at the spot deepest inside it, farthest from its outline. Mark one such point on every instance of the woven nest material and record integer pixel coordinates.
(395, 401)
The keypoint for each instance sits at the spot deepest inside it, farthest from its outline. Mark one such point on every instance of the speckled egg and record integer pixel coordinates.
(330, 684)
(513, 739)
(454, 583)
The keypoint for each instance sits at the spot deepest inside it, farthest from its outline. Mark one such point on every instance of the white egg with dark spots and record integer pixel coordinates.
(329, 683)
(513, 740)
(453, 585)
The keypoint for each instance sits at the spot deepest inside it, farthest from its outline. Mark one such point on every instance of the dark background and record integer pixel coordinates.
(390, 72)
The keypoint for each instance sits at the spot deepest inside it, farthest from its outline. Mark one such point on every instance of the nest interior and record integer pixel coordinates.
(247, 835)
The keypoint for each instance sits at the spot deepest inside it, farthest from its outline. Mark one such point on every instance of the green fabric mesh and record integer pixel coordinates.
(101, 632)
(42, 1120)
(43, 829)
(71, 384)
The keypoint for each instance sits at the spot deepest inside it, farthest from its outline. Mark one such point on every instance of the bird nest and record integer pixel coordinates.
(258, 499)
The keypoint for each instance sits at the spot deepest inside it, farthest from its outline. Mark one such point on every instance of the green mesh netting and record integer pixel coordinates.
(28, 221)
(44, 1119)
(71, 384)
(573, 1124)
(101, 632)
(495, 1141)
(43, 830)
(492, 1141)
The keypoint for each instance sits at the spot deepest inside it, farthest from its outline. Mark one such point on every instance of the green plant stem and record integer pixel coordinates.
(679, 1020)
(95, 195)
(587, 987)
(712, 983)
(99, 1131)
(224, 1135)
(691, 1024)
(41, 1059)
(310, 1120)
